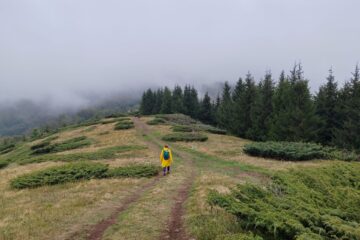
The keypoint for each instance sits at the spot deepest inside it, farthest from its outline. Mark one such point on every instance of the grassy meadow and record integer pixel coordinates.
(90, 171)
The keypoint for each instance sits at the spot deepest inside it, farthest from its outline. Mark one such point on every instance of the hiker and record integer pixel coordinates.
(166, 159)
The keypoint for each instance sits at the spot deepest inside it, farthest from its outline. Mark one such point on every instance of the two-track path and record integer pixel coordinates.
(175, 227)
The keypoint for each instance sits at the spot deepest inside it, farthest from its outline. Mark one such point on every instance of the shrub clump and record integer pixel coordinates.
(182, 128)
(3, 164)
(216, 131)
(185, 137)
(124, 124)
(5, 148)
(311, 203)
(156, 121)
(57, 175)
(134, 171)
(73, 143)
(80, 171)
(297, 151)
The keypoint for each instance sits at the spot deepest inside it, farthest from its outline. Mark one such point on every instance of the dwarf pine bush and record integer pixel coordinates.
(80, 171)
(311, 203)
(185, 137)
(296, 151)
(156, 121)
(124, 124)
(73, 143)
(134, 171)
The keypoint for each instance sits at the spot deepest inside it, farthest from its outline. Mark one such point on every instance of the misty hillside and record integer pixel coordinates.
(21, 117)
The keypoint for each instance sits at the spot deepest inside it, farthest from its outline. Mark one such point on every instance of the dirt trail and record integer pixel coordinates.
(97, 231)
(175, 227)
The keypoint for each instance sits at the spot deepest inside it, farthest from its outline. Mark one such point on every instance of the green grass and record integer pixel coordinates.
(185, 137)
(80, 171)
(311, 203)
(296, 151)
(209, 162)
(134, 171)
(73, 143)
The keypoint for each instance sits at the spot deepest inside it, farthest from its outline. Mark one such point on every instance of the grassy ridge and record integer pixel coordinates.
(318, 203)
(80, 171)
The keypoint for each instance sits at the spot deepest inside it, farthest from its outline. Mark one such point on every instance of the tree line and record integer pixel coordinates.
(283, 110)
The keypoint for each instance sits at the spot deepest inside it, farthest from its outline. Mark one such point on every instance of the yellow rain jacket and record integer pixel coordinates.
(165, 163)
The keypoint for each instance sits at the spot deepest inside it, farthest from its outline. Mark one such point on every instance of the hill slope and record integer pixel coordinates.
(175, 206)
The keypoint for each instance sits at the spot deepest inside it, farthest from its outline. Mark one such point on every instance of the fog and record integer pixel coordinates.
(72, 53)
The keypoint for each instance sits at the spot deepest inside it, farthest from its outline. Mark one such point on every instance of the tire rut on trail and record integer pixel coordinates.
(175, 229)
(97, 231)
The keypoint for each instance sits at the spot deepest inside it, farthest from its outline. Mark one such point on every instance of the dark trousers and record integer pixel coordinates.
(166, 168)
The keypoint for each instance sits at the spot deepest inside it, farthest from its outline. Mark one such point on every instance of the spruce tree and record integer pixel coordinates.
(147, 102)
(262, 110)
(348, 135)
(205, 112)
(187, 100)
(158, 101)
(238, 116)
(194, 110)
(177, 100)
(166, 102)
(326, 108)
(224, 111)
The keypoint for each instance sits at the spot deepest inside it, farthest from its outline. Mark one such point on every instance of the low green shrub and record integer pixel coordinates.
(156, 121)
(177, 118)
(216, 131)
(125, 124)
(308, 203)
(80, 171)
(185, 137)
(73, 143)
(6, 148)
(40, 145)
(134, 171)
(182, 128)
(3, 164)
(115, 115)
(297, 151)
(239, 236)
(58, 175)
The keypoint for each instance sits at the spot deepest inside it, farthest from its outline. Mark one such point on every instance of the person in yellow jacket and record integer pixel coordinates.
(166, 159)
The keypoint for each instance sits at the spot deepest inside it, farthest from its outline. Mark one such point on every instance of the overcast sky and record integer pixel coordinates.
(68, 49)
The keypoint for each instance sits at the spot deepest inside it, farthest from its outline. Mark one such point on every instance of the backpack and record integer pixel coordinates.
(166, 155)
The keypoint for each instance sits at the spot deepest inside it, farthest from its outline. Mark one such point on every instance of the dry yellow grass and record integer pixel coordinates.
(52, 211)
(147, 218)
